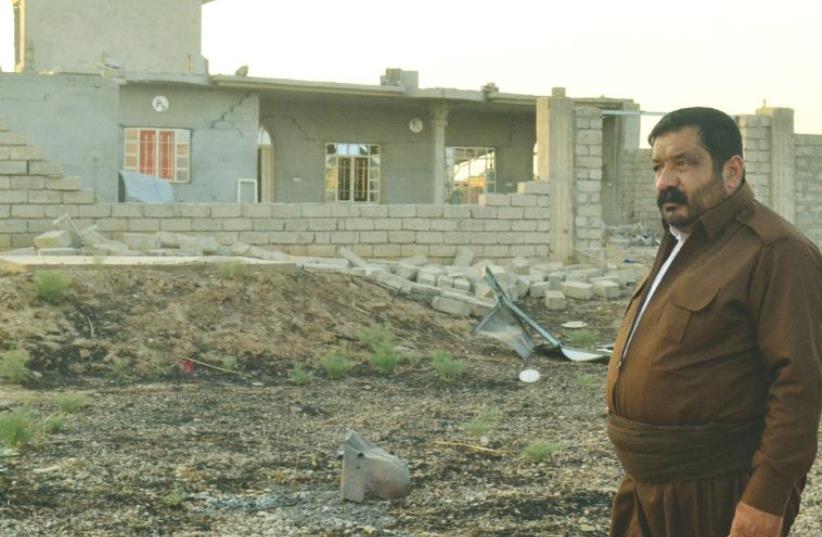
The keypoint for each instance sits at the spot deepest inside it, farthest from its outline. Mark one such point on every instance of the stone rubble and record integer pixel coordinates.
(458, 289)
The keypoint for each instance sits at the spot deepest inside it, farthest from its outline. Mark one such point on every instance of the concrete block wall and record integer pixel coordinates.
(755, 131)
(809, 185)
(637, 179)
(588, 225)
(33, 191)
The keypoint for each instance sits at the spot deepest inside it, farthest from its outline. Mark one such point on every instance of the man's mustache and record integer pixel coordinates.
(671, 195)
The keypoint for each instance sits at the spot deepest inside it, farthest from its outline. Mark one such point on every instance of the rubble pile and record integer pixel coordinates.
(457, 289)
(631, 235)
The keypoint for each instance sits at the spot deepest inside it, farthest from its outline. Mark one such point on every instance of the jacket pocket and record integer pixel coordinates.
(683, 304)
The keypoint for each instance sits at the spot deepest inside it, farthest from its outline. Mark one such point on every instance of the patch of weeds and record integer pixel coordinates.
(587, 381)
(582, 337)
(54, 423)
(539, 451)
(384, 359)
(51, 286)
(19, 429)
(232, 270)
(483, 422)
(336, 366)
(377, 336)
(69, 403)
(229, 362)
(150, 365)
(299, 375)
(14, 366)
(176, 497)
(447, 368)
(413, 358)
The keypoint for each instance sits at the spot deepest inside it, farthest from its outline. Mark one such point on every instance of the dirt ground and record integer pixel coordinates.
(247, 451)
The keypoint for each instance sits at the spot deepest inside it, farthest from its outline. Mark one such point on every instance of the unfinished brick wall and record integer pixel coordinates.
(756, 147)
(637, 181)
(809, 185)
(588, 180)
(33, 192)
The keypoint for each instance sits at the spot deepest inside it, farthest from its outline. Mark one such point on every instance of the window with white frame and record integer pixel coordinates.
(471, 171)
(352, 172)
(164, 153)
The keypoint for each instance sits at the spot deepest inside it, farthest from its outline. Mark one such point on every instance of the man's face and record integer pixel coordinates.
(686, 185)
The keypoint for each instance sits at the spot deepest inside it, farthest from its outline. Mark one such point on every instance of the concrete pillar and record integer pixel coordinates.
(439, 121)
(783, 161)
(555, 150)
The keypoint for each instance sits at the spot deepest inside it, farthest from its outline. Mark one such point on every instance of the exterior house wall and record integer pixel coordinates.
(300, 129)
(72, 118)
(511, 135)
(78, 36)
(809, 185)
(224, 128)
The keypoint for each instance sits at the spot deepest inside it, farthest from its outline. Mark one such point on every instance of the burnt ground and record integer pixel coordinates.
(249, 452)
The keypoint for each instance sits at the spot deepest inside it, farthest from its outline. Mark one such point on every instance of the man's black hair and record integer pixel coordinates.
(718, 132)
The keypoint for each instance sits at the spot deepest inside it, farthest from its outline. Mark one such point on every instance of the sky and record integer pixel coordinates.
(729, 54)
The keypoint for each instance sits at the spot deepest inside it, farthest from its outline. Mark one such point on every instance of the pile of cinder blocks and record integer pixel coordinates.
(458, 289)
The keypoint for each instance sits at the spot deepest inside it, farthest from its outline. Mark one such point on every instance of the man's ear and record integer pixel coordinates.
(732, 173)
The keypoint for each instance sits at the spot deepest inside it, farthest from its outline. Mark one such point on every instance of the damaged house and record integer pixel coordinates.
(110, 85)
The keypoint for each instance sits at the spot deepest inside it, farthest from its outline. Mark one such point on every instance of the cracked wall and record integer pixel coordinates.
(223, 127)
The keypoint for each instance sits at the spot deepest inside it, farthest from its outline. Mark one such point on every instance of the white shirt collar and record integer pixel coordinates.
(678, 234)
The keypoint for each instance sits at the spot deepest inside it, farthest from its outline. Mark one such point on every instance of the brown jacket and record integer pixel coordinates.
(732, 333)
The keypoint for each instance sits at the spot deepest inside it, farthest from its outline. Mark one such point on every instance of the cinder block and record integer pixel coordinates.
(534, 187)
(63, 183)
(523, 200)
(66, 224)
(79, 197)
(354, 259)
(555, 300)
(462, 284)
(227, 211)
(316, 211)
(141, 242)
(538, 289)
(520, 265)
(451, 306)
(13, 167)
(444, 281)
(53, 239)
(578, 290)
(12, 138)
(494, 200)
(408, 272)
(44, 167)
(27, 211)
(606, 289)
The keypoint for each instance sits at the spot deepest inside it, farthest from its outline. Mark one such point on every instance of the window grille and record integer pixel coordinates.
(352, 172)
(163, 153)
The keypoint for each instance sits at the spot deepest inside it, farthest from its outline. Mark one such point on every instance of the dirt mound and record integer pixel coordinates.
(144, 322)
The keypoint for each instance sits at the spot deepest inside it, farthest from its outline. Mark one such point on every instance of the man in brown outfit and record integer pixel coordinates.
(715, 383)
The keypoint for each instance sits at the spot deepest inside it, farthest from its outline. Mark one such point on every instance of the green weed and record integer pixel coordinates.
(54, 423)
(232, 270)
(539, 451)
(484, 421)
(51, 286)
(176, 497)
(19, 429)
(69, 403)
(336, 366)
(229, 362)
(581, 337)
(447, 368)
(13, 366)
(299, 375)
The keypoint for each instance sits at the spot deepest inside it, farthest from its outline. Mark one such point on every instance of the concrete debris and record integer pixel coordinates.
(459, 289)
(555, 300)
(53, 239)
(368, 469)
(631, 235)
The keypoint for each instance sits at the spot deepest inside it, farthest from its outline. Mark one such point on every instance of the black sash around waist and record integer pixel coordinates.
(667, 453)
